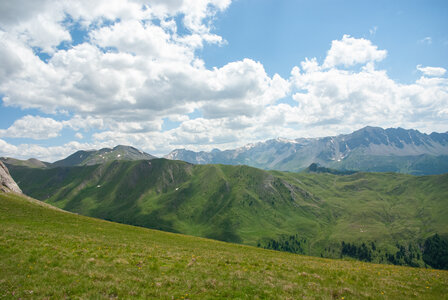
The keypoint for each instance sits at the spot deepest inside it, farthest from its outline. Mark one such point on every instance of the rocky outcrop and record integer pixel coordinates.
(7, 184)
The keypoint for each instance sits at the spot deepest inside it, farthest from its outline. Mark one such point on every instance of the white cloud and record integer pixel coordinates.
(49, 154)
(131, 74)
(426, 40)
(337, 97)
(40, 128)
(147, 40)
(431, 71)
(43, 23)
(36, 23)
(352, 51)
(34, 127)
(86, 123)
(151, 71)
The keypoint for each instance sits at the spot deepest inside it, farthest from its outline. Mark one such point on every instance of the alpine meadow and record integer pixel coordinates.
(223, 149)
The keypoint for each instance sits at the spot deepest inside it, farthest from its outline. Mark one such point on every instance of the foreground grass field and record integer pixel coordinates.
(47, 253)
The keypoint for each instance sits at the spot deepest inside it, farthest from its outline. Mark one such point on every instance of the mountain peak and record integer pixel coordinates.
(104, 155)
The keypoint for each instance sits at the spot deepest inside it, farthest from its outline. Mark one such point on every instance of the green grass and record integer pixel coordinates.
(246, 205)
(46, 253)
(416, 165)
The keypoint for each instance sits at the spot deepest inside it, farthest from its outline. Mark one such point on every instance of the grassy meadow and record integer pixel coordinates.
(246, 205)
(48, 253)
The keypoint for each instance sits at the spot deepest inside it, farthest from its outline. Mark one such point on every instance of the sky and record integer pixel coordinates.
(202, 74)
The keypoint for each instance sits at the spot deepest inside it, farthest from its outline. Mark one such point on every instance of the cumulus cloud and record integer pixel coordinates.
(331, 95)
(133, 67)
(431, 71)
(352, 51)
(42, 128)
(136, 70)
(34, 127)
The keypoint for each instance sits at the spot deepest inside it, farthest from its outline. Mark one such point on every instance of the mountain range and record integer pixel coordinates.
(371, 149)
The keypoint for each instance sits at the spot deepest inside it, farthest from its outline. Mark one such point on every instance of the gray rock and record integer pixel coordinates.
(7, 184)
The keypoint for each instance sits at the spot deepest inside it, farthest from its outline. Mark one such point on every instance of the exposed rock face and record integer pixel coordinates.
(7, 184)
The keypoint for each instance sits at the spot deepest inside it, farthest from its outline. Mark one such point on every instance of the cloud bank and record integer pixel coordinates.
(134, 77)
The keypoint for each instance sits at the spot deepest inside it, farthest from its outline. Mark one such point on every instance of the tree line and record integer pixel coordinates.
(433, 252)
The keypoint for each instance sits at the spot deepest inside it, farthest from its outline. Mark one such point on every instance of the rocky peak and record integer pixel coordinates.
(7, 184)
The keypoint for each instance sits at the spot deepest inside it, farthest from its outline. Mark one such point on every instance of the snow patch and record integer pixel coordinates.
(283, 140)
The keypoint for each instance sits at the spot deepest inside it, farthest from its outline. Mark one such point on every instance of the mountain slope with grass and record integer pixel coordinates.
(246, 205)
(370, 149)
(71, 256)
(94, 157)
(30, 163)
(83, 158)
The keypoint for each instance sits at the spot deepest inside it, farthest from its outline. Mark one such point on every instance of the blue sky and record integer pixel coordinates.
(204, 74)
(282, 33)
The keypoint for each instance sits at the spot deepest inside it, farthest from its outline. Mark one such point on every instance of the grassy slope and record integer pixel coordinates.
(49, 253)
(30, 163)
(244, 204)
(391, 207)
(416, 165)
(92, 157)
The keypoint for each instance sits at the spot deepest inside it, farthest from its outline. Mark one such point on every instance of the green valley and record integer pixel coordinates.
(246, 205)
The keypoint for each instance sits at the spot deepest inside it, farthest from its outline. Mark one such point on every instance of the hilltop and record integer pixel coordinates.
(78, 257)
(94, 157)
(393, 214)
(84, 158)
(370, 149)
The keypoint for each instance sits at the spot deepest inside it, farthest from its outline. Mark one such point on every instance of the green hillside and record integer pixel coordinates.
(47, 253)
(391, 213)
(104, 155)
(416, 165)
(30, 163)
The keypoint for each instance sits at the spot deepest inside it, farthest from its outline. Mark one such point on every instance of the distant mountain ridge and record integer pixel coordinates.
(95, 157)
(30, 163)
(368, 149)
(84, 158)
